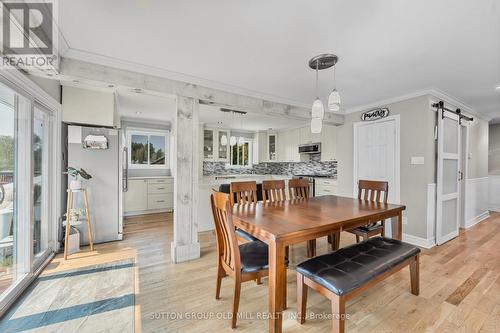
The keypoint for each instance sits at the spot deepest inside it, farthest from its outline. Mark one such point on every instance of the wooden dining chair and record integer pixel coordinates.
(245, 262)
(243, 192)
(273, 190)
(375, 191)
(299, 189)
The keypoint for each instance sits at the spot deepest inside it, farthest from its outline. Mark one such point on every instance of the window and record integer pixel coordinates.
(148, 149)
(241, 156)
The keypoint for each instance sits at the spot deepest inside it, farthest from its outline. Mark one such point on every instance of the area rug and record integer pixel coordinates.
(96, 298)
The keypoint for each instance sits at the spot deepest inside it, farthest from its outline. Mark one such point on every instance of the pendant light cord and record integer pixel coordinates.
(317, 64)
(334, 78)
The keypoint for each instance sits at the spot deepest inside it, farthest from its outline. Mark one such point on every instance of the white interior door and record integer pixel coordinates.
(376, 154)
(448, 167)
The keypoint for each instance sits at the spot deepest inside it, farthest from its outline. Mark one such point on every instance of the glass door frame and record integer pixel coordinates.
(48, 213)
(33, 95)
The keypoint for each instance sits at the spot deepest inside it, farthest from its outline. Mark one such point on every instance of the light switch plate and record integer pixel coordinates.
(417, 160)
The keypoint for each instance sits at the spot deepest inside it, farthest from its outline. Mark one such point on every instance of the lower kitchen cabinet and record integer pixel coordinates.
(149, 195)
(325, 186)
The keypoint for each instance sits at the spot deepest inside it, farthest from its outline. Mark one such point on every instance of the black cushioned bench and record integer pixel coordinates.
(345, 273)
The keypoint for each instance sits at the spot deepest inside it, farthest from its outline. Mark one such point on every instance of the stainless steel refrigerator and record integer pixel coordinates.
(104, 164)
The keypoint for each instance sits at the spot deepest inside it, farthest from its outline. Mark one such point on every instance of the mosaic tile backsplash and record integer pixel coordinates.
(275, 168)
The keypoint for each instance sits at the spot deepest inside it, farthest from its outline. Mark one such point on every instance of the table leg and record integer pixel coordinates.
(276, 285)
(397, 226)
(335, 238)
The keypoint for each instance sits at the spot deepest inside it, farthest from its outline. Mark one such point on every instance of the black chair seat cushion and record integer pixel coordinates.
(350, 267)
(245, 235)
(254, 257)
(369, 228)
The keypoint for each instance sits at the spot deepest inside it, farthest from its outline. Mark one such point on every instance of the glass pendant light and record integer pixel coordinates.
(318, 110)
(316, 125)
(334, 98)
(223, 140)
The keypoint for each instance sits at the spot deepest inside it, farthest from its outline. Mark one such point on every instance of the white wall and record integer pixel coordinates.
(418, 190)
(416, 140)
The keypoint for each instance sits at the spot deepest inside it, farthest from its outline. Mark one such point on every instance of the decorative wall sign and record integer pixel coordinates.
(375, 114)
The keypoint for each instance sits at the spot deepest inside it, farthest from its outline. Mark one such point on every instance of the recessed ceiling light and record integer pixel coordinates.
(138, 112)
(497, 88)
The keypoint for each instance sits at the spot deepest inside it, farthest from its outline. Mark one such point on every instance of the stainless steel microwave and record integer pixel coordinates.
(310, 148)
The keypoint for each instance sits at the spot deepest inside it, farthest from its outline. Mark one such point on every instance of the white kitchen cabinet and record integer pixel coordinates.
(272, 147)
(213, 150)
(288, 145)
(262, 146)
(86, 106)
(328, 143)
(208, 144)
(222, 150)
(149, 195)
(305, 135)
(325, 186)
(136, 197)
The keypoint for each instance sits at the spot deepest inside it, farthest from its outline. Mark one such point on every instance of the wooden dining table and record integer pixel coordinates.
(280, 224)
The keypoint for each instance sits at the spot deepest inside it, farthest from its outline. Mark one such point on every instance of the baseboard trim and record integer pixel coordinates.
(481, 217)
(419, 241)
(494, 208)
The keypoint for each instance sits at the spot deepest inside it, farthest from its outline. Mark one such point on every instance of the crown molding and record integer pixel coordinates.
(432, 92)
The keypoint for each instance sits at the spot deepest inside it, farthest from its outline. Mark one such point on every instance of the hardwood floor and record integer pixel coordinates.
(459, 291)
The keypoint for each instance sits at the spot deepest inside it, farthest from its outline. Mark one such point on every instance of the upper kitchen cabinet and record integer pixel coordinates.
(328, 142)
(272, 147)
(222, 149)
(208, 144)
(214, 147)
(89, 107)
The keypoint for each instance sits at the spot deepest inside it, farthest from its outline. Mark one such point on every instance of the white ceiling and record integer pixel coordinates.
(387, 48)
(146, 107)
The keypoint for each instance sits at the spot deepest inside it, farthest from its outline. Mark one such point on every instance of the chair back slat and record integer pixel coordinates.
(227, 245)
(243, 193)
(373, 190)
(273, 190)
(298, 188)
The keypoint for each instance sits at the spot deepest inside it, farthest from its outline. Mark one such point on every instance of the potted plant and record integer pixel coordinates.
(76, 183)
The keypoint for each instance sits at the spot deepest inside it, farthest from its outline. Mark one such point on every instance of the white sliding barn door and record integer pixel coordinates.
(448, 187)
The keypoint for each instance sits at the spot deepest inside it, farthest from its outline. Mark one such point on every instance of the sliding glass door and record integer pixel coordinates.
(27, 190)
(12, 254)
